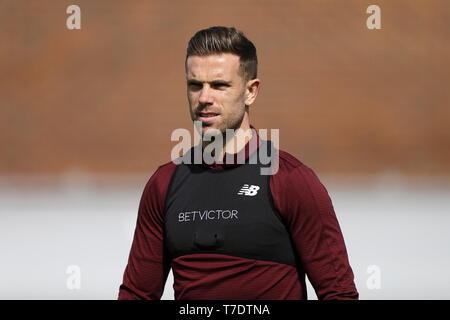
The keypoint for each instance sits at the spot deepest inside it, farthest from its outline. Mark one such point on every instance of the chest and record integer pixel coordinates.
(224, 211)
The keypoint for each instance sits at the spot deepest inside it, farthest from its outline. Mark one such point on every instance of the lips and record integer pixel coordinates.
(207, 116)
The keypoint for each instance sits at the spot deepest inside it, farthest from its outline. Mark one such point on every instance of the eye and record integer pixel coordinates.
(221, 85)
(194, 85)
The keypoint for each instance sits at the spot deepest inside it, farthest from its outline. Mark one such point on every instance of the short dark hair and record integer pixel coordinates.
(216, 40)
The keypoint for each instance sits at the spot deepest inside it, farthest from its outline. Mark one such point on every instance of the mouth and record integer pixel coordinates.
(207, 116)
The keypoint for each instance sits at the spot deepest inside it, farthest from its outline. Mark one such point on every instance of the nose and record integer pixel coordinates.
(205, 95)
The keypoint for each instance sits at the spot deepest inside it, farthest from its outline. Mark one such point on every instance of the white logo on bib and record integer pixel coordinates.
(247, 190)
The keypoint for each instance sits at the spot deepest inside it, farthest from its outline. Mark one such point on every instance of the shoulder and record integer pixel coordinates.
(294, 177)
(291, 167)
(160, 179)
(165, 169)
(296, 186)
(155, 190)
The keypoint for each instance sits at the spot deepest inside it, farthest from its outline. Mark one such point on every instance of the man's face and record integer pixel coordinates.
(216, 91)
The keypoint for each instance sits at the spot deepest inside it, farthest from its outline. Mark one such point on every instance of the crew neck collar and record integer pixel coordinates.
(233, 159)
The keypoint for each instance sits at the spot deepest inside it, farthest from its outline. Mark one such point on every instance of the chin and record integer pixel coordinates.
(212, 131)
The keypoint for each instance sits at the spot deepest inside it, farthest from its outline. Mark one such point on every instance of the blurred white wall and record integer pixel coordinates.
(46, 228)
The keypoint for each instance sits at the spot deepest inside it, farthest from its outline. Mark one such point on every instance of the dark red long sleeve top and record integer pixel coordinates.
(302, 204)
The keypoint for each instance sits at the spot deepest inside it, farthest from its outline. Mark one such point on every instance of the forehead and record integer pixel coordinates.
(213, 66)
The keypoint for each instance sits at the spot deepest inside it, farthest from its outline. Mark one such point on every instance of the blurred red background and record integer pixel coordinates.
(105, 99)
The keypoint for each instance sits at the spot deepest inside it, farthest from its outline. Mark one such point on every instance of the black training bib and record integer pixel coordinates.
(226, 212)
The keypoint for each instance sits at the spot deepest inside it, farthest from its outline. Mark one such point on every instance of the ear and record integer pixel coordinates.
(251, 91)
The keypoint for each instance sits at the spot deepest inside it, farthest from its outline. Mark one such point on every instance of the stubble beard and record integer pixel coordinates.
(230, 123)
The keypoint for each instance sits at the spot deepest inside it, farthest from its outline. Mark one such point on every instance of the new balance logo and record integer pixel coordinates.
(247, 190)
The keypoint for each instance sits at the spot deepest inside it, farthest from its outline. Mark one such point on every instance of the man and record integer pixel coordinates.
(226, 230)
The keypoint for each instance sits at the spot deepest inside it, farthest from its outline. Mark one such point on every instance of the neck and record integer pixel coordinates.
(233, 141)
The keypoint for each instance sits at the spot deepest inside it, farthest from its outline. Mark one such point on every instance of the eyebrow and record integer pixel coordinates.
(214, 82)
